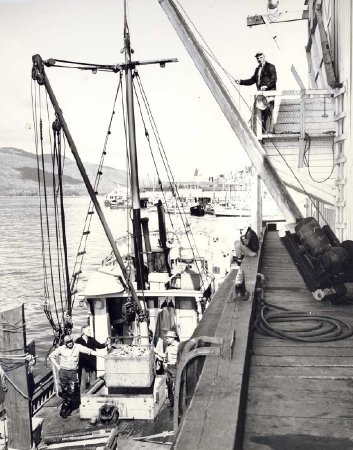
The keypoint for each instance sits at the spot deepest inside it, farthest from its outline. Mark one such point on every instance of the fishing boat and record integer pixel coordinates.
(154, 281)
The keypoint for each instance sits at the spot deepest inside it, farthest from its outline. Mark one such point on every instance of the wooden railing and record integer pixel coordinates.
(43, 391)
(297, 112)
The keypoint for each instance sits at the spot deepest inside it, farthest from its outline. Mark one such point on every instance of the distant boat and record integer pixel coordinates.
(232, 210)
(197, 210)
(118, 204)
(201, 209)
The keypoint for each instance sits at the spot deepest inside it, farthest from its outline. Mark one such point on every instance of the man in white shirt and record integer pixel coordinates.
(170, 359)
(68, 371)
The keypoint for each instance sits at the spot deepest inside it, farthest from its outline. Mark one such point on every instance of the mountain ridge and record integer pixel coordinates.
(19, 174)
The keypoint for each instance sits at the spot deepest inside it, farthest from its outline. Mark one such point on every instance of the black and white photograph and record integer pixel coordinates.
(176, 225)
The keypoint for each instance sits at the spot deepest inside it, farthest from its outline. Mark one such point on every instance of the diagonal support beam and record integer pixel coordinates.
(246, 137)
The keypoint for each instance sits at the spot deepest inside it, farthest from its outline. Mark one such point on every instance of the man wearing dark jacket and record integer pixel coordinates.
(265, 78)
(248, 245)
(88, 363)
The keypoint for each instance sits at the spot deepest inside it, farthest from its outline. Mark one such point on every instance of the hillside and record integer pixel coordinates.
(18, 174)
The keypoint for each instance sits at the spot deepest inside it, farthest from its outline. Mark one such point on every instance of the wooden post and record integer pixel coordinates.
(256, 203)
(17, 404)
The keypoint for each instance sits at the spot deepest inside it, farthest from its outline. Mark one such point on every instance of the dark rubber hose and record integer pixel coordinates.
(319, 329)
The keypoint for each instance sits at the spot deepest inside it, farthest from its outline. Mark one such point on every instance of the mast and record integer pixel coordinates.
(134, 179)
(40, 76)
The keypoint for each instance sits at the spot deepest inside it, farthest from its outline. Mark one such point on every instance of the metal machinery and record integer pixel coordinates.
(324, 263)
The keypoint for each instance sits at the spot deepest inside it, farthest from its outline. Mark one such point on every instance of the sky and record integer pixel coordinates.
(194, 132)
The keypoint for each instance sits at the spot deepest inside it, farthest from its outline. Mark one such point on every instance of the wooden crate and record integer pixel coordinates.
(130, 371)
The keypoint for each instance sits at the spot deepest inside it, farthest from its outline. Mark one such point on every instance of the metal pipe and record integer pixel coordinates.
(163, 234)
(146, 235)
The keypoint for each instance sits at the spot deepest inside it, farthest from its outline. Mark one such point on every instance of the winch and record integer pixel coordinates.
(323, 262)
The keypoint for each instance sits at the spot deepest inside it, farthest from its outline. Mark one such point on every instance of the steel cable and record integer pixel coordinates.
(168, 170)
(322, 328)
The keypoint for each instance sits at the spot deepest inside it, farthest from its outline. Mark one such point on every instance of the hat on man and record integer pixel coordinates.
(68, 338)
(171, 334)
(259, 54)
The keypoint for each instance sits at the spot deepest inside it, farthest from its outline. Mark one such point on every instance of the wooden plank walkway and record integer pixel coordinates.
(299, 394)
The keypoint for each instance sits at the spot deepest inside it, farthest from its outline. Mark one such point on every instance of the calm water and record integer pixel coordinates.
(21, 272)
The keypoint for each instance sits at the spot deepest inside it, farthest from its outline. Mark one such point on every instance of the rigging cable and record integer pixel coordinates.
(46, 234)
(54, 247)
(169, 173)
(57, 143)
(59, 220)
(45, 278)
(56, 215)
(162, 152)
(81, 251)
(150, 147)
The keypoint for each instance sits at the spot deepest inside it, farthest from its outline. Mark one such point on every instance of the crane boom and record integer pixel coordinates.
(245, 135)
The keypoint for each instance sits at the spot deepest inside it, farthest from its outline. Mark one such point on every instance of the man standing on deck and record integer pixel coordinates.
(87, 366)
(265, 78)
(170, 359)
(68, 367)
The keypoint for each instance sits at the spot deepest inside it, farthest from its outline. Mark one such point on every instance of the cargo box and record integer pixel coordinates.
(130, 367)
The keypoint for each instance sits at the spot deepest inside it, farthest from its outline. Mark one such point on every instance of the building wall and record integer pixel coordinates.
(338, 22)
(342, 12)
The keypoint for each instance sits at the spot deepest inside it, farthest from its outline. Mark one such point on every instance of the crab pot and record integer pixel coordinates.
(130, 370)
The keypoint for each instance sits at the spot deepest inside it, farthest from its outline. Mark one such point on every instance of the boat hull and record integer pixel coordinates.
(231, 213)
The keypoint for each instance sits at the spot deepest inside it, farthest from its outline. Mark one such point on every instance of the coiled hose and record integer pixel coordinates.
(275, 321)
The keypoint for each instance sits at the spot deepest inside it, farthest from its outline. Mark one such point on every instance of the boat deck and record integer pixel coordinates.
(299, 393)
(74, 433)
